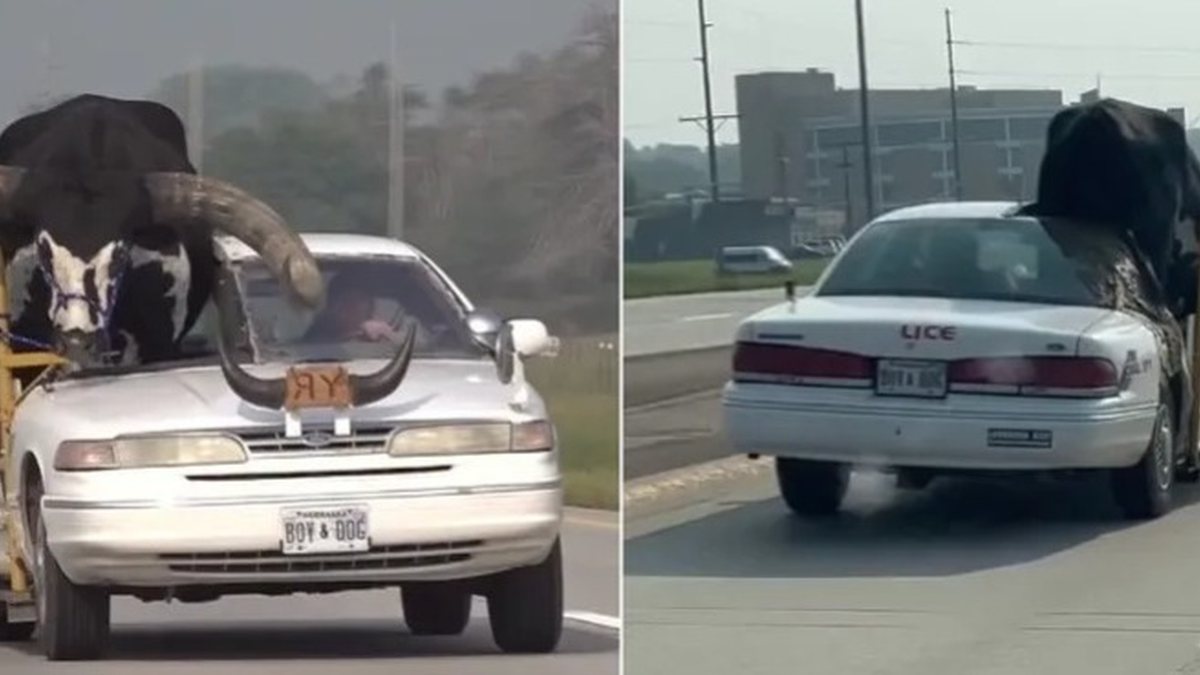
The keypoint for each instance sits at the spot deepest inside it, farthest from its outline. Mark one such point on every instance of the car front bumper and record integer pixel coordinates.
(416, 535)
(856, 427)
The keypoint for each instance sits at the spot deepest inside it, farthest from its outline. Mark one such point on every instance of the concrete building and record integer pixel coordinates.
(801, 139)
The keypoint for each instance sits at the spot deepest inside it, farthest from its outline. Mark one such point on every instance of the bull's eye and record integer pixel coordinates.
(120, 259)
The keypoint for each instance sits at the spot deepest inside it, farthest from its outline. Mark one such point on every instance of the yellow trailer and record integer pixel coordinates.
(17, 611)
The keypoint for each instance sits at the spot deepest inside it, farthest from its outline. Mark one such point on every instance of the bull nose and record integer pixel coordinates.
(79, 346)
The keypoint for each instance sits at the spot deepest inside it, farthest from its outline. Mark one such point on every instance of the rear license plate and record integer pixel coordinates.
(925, 379)
(339, 529)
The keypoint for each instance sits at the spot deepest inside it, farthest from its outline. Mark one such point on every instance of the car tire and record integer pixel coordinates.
(913, 479)
(811, 488)
(1143, 491)
(74, 620)
(14, 632)
(525, 606)
(435, 609)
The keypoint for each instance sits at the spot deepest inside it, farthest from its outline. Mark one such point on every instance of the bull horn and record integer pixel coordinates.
(10, 180)
(370, 388)
(185, 196)
(267, 393)
(364, 389)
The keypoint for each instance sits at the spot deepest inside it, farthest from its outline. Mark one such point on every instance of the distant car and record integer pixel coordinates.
(820, 248)
(752, 260)
(962, 338)
(159, 482)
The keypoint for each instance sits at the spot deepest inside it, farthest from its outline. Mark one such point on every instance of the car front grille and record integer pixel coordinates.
(317, 441)
(403, 556)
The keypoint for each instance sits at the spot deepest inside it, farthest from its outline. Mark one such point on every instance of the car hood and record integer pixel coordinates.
(198, 398)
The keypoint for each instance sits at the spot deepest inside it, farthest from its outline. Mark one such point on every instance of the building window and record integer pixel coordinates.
(910, 133)
(981, 130)
(830, 139)
(1029, 128)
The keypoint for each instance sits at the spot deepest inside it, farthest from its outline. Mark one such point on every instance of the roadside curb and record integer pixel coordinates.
(591, 517)
(666, 490)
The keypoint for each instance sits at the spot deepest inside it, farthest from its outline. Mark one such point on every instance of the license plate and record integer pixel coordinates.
(340, 529)
(926, 379)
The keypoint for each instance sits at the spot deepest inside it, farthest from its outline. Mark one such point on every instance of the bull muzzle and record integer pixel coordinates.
(83, 348)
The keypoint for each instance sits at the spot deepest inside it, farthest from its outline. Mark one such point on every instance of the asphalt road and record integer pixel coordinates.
(677, 348)
(359, 632)
(966, 577)
(683, 322)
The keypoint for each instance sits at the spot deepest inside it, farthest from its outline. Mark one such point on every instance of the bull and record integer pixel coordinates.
(1129, 167)
(108, 231)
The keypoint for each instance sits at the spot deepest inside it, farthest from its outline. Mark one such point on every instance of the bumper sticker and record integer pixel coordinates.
(1020, 438)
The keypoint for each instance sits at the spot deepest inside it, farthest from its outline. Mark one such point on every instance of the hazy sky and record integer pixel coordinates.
(124, 47)
(1144, 50)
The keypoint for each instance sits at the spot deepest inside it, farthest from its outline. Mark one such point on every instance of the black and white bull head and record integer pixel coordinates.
(84, 238)
(87, 240)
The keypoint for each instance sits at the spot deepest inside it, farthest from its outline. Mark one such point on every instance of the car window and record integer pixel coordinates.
(742, 257)
(383, 292)
(1017, 259)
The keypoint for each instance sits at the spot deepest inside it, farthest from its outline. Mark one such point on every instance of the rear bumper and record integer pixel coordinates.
(857, 428)
(198, 543)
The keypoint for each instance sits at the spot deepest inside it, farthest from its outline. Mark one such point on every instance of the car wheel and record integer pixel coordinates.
(913, 479)
(435, 609)
(1144, 490)
(14, 632)
(526, 606)
(1188, 469)
(74, 620)
(811, 488)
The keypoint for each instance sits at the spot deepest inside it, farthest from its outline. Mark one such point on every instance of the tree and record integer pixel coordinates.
(239, 96)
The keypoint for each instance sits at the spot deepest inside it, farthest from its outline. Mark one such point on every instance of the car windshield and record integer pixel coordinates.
(1008, 259)
(368, 300)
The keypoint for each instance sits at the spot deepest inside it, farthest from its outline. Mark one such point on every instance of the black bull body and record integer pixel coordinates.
(1127, 168)
(108, 234)
(1120, 165)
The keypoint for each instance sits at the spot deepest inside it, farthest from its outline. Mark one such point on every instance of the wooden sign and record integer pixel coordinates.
(317, 387)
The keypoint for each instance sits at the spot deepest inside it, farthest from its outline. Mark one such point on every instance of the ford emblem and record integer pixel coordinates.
(316, 439)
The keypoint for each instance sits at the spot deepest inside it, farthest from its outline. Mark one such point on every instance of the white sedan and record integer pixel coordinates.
(160, 482)
(953, 338)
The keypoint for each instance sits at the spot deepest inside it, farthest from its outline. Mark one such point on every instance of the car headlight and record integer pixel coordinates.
(148, 451)
(474, 438)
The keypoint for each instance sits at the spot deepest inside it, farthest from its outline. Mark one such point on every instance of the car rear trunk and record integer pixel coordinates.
(925, 347)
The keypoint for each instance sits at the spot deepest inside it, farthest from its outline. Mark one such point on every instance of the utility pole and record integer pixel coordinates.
(396, 122)
(713, 180)
(958, 194)
(865, 112)
(782, 160)
(195, 113)
(845, 167)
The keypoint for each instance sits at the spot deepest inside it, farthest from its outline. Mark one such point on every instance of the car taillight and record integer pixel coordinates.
(1037, 375)
(754, 361)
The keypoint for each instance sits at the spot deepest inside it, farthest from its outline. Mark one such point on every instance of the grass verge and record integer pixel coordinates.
(678, 277)
(580, 389)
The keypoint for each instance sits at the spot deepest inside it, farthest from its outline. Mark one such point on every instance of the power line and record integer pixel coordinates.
(1056, 46)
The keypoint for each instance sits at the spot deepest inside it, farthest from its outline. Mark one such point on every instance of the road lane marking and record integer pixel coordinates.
(595, 619)
(707, 317)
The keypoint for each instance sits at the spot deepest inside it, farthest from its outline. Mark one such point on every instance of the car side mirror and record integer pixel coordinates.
(529, 337)
(485, 325)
